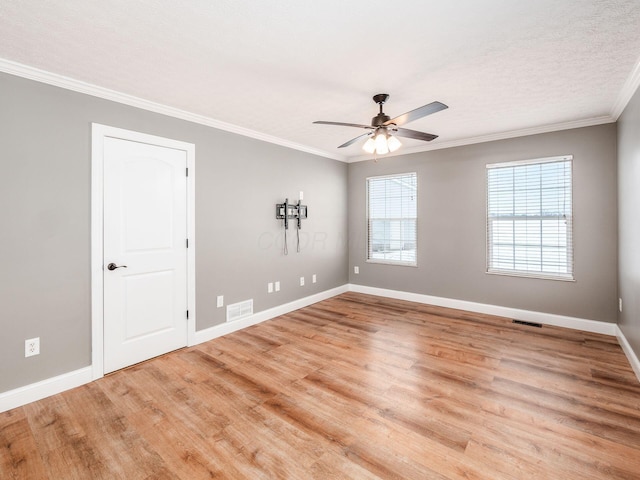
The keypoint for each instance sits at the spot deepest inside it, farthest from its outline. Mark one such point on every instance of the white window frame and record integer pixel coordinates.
(412, 263)
(569, 276)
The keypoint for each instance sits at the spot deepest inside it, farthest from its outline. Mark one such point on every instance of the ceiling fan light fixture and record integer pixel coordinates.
(393, 143)
(381, 143)
(369, 146)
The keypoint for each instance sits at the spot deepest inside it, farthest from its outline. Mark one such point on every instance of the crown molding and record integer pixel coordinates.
(628, 90)
(14, 68)
(588, 122)
(31, 73)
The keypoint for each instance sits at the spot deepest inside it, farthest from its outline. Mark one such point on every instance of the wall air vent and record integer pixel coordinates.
(239, 310)
(528, 324)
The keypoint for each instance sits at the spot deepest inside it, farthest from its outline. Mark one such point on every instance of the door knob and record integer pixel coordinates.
(113, 266)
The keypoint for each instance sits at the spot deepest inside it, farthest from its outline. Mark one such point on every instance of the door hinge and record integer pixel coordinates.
(187, 314)
(187, 243)
(187, 171)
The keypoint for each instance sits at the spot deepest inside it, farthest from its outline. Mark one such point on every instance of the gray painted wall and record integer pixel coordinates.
(629, 221)
(45, 192)
(452, 220)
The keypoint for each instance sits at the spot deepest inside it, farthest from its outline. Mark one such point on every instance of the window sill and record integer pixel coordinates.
(540, 276)
(393, 262)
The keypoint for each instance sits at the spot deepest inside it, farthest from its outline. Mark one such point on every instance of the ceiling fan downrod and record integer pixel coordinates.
(380, 118)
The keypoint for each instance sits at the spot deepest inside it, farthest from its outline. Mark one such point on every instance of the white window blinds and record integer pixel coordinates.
(391, 219)
(529, 218)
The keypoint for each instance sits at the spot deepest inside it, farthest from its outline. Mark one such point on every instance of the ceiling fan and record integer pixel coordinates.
(384, 129)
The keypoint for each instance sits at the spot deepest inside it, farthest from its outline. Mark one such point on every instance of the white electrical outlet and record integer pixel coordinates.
(270, 287)
(220, 301)
(277, 286)
(313, 278)
(302, 281)
(356, 270)
(32, 347)
(620, 304)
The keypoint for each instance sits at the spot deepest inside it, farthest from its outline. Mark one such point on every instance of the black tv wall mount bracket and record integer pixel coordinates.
(291, 211)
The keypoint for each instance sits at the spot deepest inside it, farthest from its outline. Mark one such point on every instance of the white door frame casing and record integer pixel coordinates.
(98, 133)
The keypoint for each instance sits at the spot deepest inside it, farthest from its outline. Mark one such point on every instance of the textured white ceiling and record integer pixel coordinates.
(276, 66)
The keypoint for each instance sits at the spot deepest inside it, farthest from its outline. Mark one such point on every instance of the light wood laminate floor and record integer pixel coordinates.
(354, 387)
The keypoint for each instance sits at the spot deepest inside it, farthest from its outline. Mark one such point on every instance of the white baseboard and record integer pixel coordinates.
(516, 313)
(51, 386)
(229, 327)
(45, 388)
(628, 351)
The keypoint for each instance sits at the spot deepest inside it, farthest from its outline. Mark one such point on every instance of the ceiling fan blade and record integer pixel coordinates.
(423, 111)
(353, 140)
(357, 125)
(405, 132)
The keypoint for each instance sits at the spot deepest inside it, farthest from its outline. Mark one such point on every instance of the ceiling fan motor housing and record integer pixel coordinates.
(379, 120)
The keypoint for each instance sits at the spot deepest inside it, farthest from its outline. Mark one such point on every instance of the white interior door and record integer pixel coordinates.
(145, 235)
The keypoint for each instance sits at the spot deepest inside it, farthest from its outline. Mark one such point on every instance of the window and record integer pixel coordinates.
(529, 218)
(391, 219)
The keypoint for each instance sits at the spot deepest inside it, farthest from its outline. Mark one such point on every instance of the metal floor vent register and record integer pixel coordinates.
(528, 324)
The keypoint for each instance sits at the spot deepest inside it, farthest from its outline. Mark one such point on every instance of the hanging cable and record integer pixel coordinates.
(286, 247)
